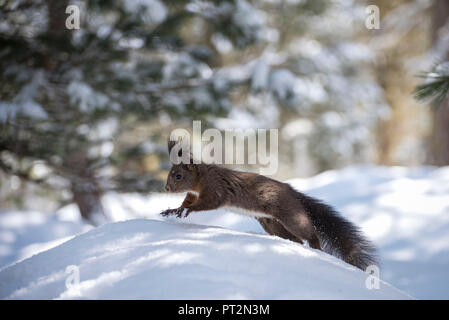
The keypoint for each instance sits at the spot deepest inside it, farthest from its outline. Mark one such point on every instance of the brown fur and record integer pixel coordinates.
(289, 213)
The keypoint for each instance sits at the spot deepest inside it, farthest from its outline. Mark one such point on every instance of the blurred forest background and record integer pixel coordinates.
(85, 112)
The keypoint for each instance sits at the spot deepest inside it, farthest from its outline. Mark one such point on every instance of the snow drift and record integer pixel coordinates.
(149, 259)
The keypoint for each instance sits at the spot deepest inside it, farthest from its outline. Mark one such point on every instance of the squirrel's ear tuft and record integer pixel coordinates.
(170, 145)
(180, 142)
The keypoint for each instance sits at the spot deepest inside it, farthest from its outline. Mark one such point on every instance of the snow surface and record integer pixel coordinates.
(23, 234)
(404, 211)
(149, 259)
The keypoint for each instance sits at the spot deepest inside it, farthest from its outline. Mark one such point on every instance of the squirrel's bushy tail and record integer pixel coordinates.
(339, 236)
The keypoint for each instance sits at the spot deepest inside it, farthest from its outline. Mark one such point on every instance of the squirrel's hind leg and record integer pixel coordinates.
(274, 228)
(300, 225)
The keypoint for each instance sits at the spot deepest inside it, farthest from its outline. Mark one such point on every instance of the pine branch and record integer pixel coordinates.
(183, 84)
(174, 85)
(436, 89)
(23, 175)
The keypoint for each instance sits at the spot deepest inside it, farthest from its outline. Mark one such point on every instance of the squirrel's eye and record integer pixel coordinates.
(178, 177)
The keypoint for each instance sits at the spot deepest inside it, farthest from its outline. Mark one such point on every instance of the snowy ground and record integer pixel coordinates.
(23, 234)
(404, 211)
(149, 259)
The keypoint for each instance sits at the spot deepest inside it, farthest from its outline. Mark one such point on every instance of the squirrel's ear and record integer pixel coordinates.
(171, 144)
(190, 167)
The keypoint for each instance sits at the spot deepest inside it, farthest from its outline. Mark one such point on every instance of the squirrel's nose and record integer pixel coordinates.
(167, 188)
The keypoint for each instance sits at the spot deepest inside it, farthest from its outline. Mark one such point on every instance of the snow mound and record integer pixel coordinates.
(23, 234)
(150, 259)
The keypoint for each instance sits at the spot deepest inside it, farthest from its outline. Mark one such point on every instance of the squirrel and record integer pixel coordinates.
(280, 209)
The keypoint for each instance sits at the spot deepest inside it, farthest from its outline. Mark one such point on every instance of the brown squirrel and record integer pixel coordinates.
(280, 209)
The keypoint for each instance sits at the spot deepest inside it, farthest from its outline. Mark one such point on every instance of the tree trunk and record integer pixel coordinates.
(440, 136)
(57, 17)
(85, 190)
(88, 199)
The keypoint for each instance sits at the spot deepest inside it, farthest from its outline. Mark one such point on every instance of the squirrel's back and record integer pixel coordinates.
(337, 235)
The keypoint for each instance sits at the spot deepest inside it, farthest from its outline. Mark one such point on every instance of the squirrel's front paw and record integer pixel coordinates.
(179, 212)
(169, 212)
